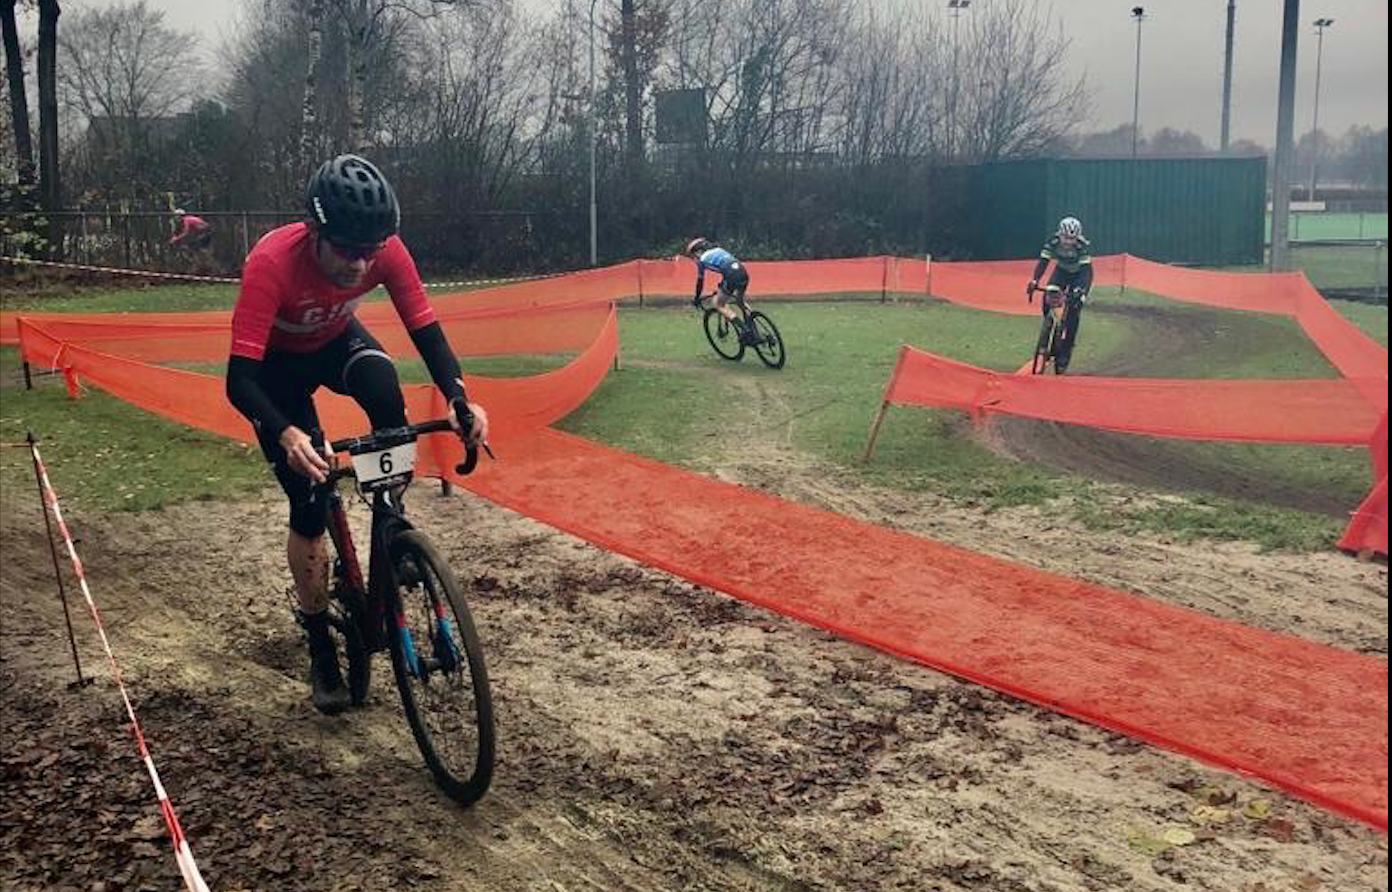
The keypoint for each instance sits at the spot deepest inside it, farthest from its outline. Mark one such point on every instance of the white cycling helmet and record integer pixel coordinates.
(1071, 227)
(180, 212)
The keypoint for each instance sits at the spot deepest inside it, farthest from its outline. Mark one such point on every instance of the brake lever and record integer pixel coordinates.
(471, 455)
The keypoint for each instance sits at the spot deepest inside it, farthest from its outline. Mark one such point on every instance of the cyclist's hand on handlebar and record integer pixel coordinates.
(478, 427)
(1029, 289)
(302, 456)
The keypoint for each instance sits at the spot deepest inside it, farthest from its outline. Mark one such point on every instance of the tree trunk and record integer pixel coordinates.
(358, 39)
(309, 116)
(50, 187)
(19, 101)
(632, 93)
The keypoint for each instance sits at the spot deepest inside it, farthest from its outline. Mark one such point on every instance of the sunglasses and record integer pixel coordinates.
(355, 252)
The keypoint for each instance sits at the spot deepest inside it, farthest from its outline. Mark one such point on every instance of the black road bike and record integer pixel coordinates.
(411, 605)
(750, 328)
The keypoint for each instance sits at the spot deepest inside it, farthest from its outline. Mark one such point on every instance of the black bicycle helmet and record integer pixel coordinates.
(351, 203)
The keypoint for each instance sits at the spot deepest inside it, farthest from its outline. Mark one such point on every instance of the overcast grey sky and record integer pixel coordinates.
(1181, 58)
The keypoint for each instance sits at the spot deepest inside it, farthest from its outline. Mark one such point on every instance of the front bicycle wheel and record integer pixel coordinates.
(768, 343)
(439, 668)
(724, 337)
(1044, 349)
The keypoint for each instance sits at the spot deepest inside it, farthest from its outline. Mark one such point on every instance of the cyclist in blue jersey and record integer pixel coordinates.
(734, 278)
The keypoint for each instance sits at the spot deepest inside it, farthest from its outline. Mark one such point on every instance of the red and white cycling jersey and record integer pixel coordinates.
(286, 304)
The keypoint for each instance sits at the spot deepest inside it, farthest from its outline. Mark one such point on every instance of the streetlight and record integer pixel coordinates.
(1137, 13)
(594, 127)
(1227, 79)
(956, 6)
(1320, 25)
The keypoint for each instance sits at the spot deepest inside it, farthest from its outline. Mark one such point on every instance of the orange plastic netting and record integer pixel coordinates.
(1327, 411)
(1308, 718)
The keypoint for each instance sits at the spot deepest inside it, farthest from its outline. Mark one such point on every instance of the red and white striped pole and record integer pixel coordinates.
(183, 855)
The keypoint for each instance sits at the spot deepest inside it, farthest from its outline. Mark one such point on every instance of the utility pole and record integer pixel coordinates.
(1285, 137)
(1320, 25)
(1137, 13)
(956, 6)
(1225, 134)
(594, 137)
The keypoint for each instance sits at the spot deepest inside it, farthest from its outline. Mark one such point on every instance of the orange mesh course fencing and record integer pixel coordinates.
(518, 405)
(1327, 411)
(1308, 718)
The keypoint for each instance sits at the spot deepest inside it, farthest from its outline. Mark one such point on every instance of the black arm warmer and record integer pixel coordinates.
(439, 359)
(1039, 268)
(246, 395)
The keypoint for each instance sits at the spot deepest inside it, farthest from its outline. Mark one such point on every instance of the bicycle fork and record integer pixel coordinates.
(444, 655)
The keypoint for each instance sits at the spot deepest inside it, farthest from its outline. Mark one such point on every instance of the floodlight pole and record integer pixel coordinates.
(1285, 133)
(1137, 13)
(1320, 25)
(956, 6)
(594, 128)
(1224, 134)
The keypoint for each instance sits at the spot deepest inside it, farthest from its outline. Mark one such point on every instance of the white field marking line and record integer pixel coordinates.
(183, 855)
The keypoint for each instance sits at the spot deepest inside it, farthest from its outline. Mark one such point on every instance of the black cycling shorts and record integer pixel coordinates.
(735, 281)
(353, 363)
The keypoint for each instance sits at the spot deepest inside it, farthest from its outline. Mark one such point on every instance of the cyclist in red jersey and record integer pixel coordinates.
(293, 331)
(192, 230)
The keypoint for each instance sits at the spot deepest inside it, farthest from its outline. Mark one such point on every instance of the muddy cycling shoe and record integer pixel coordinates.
(328, 693)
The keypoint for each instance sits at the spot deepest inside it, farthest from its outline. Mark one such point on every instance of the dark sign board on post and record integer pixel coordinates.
(681, 116)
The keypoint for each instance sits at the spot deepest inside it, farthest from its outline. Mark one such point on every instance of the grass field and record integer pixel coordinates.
(1336, 225)
(674, 401)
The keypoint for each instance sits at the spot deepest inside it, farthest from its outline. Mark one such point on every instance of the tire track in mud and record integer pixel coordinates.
(654, 736)
(1163, 337)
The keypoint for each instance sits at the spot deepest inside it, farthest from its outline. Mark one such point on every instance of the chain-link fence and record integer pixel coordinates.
(494, 241)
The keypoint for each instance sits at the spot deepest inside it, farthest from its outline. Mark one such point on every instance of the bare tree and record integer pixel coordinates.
(309, 120)
(890, 105)
(370, 23)
(1017, 97)
(50, 182)
(126, 74)
(19, 101)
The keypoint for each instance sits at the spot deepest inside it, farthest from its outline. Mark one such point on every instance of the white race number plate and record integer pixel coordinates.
(385, 466)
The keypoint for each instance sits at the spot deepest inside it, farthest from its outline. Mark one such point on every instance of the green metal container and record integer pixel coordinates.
(1202, 211)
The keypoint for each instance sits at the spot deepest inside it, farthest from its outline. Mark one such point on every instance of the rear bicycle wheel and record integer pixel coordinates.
(439, 668)
(768, 343)
(348, 617)
(724, 337)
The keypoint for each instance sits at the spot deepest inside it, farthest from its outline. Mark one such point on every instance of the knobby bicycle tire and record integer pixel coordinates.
(463, 692)
(1048, 341)
(348, 617)
(723, 335)
(769, 345)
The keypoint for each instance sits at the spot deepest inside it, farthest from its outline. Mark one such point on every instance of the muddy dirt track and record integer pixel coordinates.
(1166, 336)
(653, 735)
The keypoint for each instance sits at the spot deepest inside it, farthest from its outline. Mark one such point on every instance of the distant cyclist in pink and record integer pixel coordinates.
(193, 231)
(293, 331)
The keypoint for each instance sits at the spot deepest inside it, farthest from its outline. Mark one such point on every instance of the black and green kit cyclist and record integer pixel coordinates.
(1071, 255)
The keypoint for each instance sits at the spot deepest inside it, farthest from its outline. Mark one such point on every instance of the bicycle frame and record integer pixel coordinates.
(379, 589)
